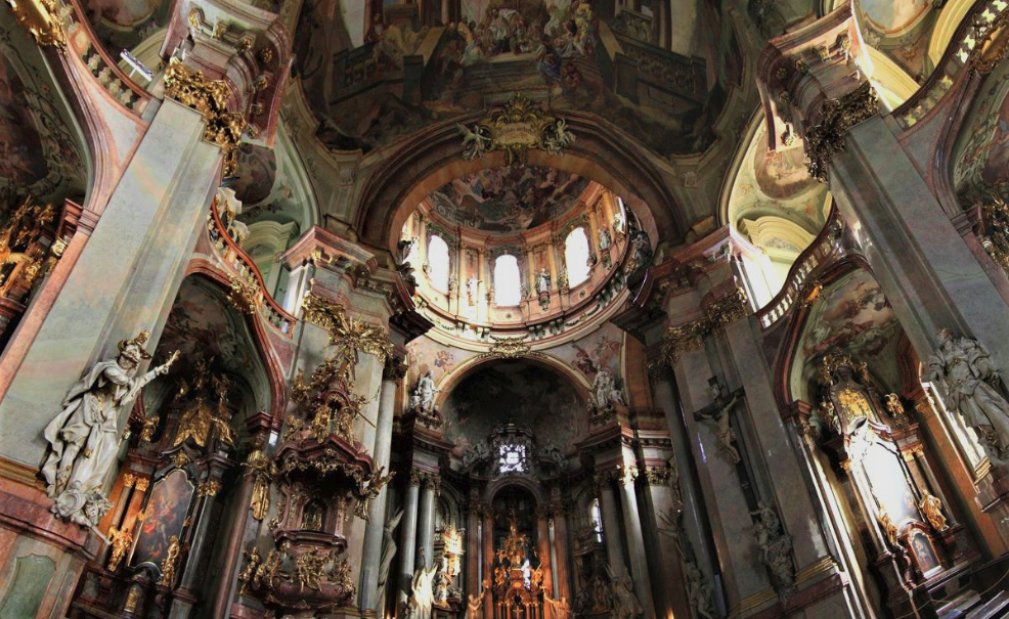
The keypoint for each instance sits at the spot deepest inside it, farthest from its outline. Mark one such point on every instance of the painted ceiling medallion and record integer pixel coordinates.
(515, 129)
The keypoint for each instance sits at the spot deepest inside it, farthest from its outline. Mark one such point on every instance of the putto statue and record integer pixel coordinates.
(84, 437)
(604, 391)
(422, 398)
(968, 382)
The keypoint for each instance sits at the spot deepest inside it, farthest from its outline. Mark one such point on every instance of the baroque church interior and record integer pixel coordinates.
(504, 309)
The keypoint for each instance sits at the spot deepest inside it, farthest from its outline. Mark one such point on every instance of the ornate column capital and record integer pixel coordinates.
(689, 336)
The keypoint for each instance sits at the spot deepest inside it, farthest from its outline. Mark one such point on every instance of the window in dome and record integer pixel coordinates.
(576, 256)
(437, 262)
(507, 283)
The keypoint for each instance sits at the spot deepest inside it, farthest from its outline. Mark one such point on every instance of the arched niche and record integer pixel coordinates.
(849, 316)
(203, 324)
(534, 394)
(770, 199)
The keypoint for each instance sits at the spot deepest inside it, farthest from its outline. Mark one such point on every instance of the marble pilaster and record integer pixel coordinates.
(636, 544)
(425, 525)
(374, 533)
(611, 527)
(408, 543)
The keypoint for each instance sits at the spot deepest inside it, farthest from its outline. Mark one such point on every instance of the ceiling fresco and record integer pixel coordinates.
(38, 153)
(508, 199)
(124, 24)
(403, 78)
(773, 200)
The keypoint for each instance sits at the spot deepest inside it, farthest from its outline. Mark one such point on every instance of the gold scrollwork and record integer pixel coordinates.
(838, 116)
(40, 18)
(210, 98)
(689, 337)
(516, 128)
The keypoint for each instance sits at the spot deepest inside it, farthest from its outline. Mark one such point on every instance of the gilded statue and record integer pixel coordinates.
(889, 528)
(84, 437)
(261, 469)
(308, 569)
(248, 573)
(968, 382)
(120, 540)
(931, 507)
(514, 546)
(170, 562)
(200, 416)
(474, 603)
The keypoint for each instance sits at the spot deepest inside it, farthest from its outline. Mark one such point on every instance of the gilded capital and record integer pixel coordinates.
(210, 98)
(837, 117)
(40, 18)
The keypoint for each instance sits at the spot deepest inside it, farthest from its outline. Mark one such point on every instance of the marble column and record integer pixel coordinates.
(636, 544)
(488, 561)
(473, 542)
(543, 549)
(426, 521)
(408, 543)
(560, 542)
(374, 533)
(611, 528)
(184, 599)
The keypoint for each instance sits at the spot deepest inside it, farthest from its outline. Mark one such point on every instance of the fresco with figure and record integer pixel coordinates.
(516, 392)
(508, 199)
(550, 50)
(21, 157)
(852, 315)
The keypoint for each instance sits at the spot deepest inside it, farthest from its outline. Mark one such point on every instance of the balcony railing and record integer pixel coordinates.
(246, 277)
(104, 69)
(819, 252)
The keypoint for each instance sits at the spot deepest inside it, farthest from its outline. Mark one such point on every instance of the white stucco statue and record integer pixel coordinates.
(964, 367)
(604, 391)
(84, 437)
(422, 597)
(423, 394)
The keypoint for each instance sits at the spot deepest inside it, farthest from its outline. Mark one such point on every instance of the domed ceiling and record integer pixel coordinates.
(508, 199)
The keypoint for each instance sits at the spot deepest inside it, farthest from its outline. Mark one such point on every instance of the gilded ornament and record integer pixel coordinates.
(689, 337)
(210, 98)
(308, 569)
(120, 541)
(515, 129)
(262, 470)
(348, 335)
(509, 347)
(170, 562)
(244, 294)
(931, 507)
(209, 488)
(837, 117)
(41, 18)
(889, 528)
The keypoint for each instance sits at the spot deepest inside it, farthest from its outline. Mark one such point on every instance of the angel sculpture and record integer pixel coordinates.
(475, 141)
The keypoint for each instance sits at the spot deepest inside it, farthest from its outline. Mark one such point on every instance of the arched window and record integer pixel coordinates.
(437, 262)
(507, 283)
(576, 256)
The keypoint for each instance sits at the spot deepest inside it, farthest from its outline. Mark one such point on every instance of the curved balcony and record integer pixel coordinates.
(248, 290)
(86, 46)
(819, 253)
